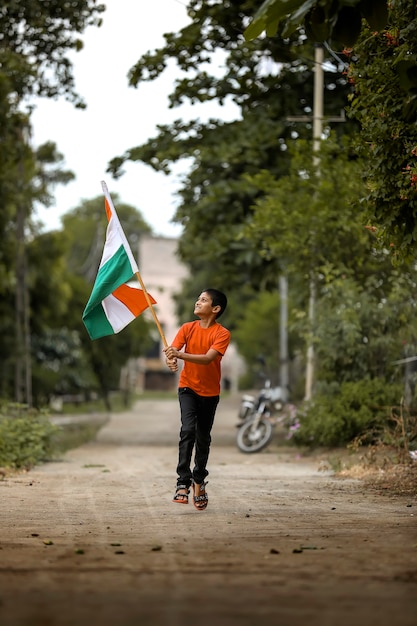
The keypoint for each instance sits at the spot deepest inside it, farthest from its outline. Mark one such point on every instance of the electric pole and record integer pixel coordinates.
(283, 341)
(317, 118)
(317, 133)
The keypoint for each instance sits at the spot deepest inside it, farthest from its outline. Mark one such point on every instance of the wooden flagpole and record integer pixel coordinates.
(149, 301)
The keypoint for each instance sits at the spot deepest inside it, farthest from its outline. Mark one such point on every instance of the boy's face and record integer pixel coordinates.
(204, 305)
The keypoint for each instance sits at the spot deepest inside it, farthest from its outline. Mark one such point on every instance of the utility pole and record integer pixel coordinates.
(283, 339)
(317, 133)
(318, 112)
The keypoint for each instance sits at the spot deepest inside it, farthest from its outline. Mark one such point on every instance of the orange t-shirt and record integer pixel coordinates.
(203, 379)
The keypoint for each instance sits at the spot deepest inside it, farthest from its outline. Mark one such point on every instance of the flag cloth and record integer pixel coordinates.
(113, 304)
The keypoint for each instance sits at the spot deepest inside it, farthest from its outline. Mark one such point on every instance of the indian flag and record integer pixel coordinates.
(113, 303)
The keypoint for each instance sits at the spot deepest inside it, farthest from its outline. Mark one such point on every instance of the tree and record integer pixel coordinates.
(310, 218)
(337, 21)
(382, 70)
(257, 334)
(35, 40)
(363, 328)
(311, 224)
(31, 175)
(86, 227)
(48, 293)
(268, 81)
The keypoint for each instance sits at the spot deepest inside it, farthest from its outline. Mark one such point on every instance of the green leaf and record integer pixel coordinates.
(296, 19)
(271, 12)
(271, 28)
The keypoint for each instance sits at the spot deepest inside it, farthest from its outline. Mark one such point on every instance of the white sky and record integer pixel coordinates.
(118, 117)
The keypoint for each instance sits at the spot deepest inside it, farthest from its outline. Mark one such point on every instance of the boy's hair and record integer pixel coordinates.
(218, 298)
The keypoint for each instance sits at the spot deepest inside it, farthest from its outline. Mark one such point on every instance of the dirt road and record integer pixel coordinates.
(94, 538)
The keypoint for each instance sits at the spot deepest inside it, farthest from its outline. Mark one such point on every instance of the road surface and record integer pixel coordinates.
(94, 539)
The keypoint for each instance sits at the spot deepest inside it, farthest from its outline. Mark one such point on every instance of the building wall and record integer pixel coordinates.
(162, 272)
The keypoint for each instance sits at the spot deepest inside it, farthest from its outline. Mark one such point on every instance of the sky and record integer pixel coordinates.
(118, 117)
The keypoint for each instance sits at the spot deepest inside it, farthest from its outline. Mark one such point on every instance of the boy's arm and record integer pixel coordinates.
(198, 359)
(221, 342)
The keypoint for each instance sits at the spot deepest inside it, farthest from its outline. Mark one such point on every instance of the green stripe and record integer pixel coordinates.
(97, 324)
(111, 275)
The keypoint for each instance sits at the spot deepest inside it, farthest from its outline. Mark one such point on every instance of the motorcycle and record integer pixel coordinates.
(258, 416)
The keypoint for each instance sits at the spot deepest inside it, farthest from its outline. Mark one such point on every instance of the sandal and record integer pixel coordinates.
(200, 501)
(181, 498)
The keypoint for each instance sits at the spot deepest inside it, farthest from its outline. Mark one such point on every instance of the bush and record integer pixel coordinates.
(338, 414)
(26, 437)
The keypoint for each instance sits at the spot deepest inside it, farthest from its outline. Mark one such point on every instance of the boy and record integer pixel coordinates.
(204, 341)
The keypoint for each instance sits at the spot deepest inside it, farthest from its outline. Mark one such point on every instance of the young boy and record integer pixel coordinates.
(204, 341)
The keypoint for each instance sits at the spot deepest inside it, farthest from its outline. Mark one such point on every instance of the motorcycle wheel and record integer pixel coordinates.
(250, 439)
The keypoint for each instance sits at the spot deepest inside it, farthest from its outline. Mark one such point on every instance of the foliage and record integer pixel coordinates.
(36, 37)
(340, 413)
(267, 82)
(338, 21)
(310, 217)
(399, 432)
(59, 366)
(26, 437)
(49, 297)
(50, 291)
(382, 70)
(85, 227)
(258, 333)
(362, 328)
(365, 308)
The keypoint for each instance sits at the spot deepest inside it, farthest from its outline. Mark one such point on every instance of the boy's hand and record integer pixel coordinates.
(171, 353)
(172, 364)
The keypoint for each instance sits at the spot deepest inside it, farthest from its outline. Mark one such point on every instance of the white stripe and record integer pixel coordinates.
(117, 313)
(115, 236)
(112, 243)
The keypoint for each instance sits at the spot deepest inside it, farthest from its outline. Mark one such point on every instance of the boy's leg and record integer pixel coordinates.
(206, 412)
(188, 404)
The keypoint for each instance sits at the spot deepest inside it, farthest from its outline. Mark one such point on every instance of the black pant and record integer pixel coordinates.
(197, 417)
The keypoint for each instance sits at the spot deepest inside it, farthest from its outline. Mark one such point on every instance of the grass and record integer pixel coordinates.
(73, 435)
